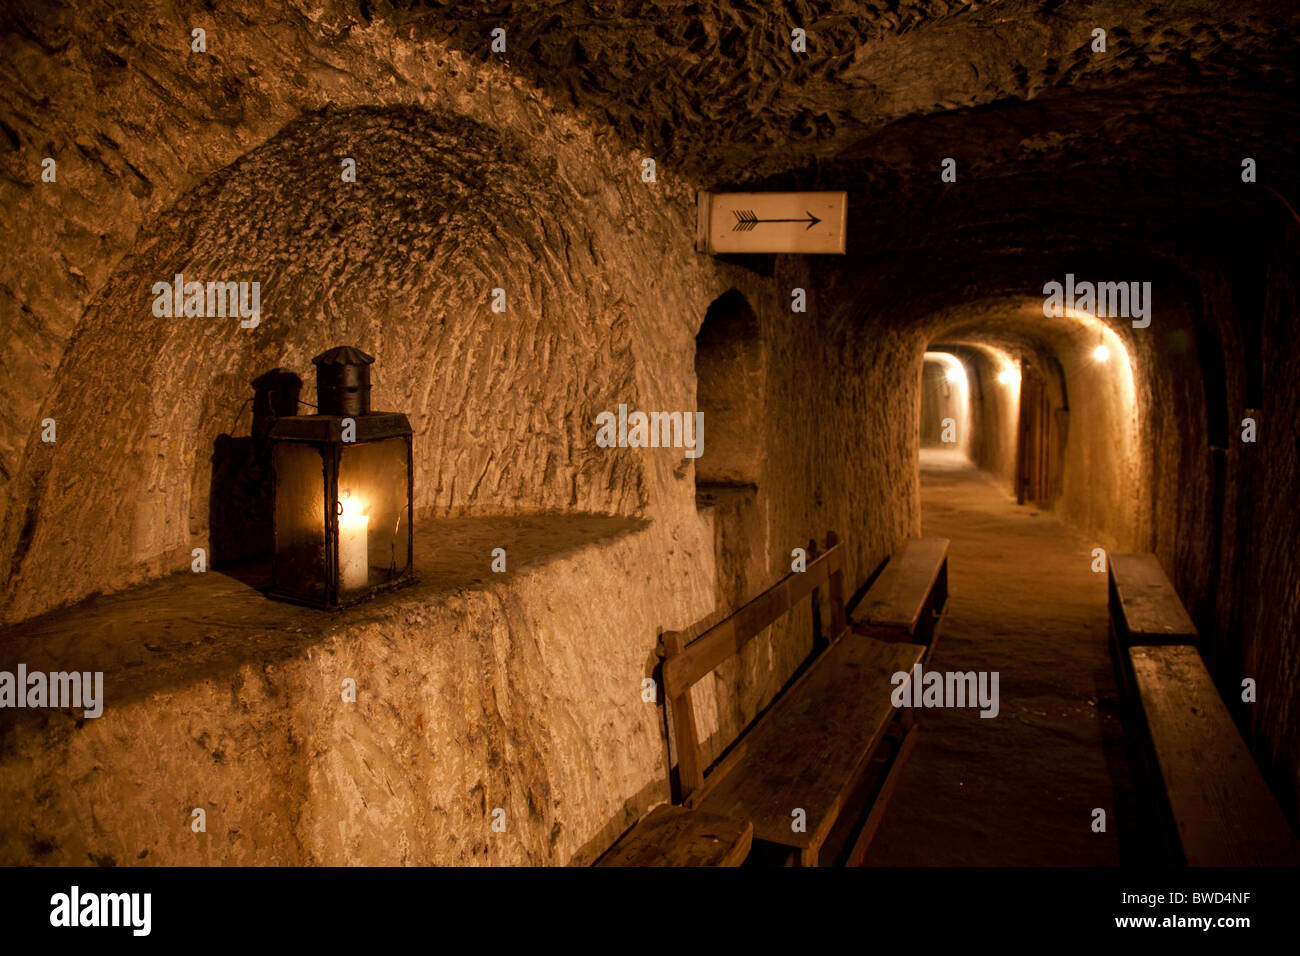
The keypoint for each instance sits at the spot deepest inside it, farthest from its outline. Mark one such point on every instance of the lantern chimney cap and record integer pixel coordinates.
(343, 382)
(343, 355)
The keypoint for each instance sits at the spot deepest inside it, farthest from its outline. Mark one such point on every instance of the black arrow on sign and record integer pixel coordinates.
(746, 220)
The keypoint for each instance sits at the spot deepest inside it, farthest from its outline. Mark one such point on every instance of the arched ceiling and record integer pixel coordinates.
(714, 86)
(1066, 156)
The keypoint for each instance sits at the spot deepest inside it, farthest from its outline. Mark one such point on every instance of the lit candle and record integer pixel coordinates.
(354, 555)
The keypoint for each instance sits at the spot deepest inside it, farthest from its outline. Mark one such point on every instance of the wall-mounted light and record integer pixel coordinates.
(1009, 375)
(342, 491)
(1101, 353)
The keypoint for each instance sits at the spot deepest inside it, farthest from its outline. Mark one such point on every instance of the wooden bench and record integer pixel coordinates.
(1144, 607)
(1144, 610)
(676, 836)
(1212, 806)
(907, 600)
(810, 749)
(1224, 812)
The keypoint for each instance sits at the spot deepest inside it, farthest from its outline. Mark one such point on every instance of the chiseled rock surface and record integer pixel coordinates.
(522, 695)
(714, 93)
(521, 171)
(402, 263)
(468, 181)
(474, 691)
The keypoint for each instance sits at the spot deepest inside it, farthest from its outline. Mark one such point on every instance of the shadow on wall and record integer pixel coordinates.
(240, 503)
(408, 261)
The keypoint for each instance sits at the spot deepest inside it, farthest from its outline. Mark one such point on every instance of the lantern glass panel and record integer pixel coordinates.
(373, 514)
(300, 520)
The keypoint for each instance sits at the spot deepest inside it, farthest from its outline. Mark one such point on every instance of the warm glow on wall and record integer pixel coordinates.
(1110, 349)
(956, 398)
(1103, 366)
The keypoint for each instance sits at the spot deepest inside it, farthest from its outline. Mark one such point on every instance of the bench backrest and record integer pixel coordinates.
(689, 658)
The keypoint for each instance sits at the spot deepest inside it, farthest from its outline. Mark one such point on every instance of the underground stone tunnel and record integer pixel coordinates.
(680, 523)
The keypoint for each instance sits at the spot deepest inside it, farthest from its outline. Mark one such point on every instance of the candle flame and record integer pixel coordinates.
(351, 510)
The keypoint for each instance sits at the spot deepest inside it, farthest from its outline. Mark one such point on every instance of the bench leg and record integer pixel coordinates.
(868, 832)
(808, 857)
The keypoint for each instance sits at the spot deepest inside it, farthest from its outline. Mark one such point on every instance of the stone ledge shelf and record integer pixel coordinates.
(475, 691)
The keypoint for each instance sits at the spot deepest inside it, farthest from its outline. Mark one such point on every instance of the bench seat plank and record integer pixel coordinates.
(1150, 606)
(1225, 813)
(899, 594)
(676, 836)
(812, 747)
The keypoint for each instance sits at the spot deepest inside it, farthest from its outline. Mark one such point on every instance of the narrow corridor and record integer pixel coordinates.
(1019, 788)
(456, 434)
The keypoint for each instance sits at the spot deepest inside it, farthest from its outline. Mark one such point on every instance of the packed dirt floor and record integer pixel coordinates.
(1020, 788)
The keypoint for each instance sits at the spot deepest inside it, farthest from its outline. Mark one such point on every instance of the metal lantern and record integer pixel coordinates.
(342, 491)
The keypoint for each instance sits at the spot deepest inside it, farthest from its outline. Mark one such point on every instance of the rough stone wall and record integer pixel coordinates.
(464, 184)
(472, 183)
(519, 693)
(1267, 592)
(730, 368)
(504, 404)
(870, 419)
(993, 443)
(1101, 488)
(419, 223)
(1177, 517)
(532, 193)
(840, 424)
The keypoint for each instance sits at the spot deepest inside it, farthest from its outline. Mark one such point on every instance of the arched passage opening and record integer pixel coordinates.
(989, 378)
(946, 404)
(1053, 412)
(729, 370)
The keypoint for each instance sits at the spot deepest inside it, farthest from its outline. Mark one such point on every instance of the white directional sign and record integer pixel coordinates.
(771, 222)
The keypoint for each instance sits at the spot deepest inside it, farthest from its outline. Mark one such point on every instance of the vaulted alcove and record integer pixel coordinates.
(730, 391)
